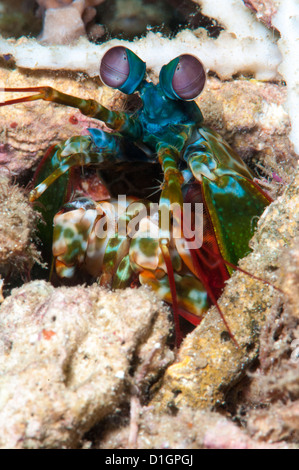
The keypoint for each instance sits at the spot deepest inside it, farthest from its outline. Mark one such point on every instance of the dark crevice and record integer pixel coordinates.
(24, 18)
(166, 16)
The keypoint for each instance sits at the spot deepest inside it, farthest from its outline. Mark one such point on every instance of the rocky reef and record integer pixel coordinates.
(82, 367)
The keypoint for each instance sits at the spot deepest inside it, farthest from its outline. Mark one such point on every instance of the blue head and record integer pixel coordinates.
(168, 102)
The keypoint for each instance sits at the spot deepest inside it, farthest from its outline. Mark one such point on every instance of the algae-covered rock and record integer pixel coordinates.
(17, 230)
(68, 357)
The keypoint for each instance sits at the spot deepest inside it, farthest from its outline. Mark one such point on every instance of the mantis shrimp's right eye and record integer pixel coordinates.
(115, 68)
(122, 69)
(183, 78)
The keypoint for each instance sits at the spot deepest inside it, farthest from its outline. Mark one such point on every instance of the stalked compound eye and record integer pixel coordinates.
(189, 77)
(183, 78)
(115, 69)
(122, 69)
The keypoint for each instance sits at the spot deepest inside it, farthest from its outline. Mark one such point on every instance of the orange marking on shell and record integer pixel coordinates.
(47, 334)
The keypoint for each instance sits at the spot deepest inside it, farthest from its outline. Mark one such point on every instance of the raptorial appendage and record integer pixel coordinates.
(127, 243)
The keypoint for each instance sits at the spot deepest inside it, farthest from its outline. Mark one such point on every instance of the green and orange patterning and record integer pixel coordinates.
(198, 167)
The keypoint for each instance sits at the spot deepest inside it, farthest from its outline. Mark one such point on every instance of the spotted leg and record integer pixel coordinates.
(118, 121)
(171, 195)
(97, 149)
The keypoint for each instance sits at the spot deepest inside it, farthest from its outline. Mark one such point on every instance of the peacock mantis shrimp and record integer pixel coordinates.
(184, 259)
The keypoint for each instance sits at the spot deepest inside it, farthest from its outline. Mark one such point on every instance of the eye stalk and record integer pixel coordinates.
(122, 69)
(183, 78)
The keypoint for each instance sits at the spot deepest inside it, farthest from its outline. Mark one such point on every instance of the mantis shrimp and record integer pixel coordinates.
(127, 242)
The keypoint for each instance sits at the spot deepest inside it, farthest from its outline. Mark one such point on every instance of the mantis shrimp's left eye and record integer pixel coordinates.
(183, 78)
(122, 69)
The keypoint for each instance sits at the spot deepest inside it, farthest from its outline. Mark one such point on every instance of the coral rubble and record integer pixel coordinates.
(67, 20)
(67, 356)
